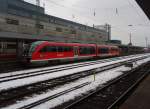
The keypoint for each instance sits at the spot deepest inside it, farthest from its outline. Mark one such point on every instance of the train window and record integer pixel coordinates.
(12, 21)
(44, 49)
(70, 48)
(103, 50)
(92, 50)
(55, 49)
(51, 49)
(67, 49)
(60, 49)
(87, 50)
(82, 50)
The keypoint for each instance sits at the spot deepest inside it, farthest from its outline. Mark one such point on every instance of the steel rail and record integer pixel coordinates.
(41, 72)
(105, 86)
(35, 73)
(107, 67)
(53, 96)
(52, 82)
(129, 90)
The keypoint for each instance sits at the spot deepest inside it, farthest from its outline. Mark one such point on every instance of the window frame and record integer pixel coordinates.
(12, 21)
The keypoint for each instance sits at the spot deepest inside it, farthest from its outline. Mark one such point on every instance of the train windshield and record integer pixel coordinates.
(33, 47)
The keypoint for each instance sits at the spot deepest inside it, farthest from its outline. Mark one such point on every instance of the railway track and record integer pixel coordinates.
(10, 96)
(12, 66)
(17, 66)
(7, 66)
(20, 92)
(11, 77)
(45, 71)
(112, 93)
(53, 96)
(18, 80)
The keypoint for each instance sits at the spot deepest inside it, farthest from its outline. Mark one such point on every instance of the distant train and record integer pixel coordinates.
(44, 51)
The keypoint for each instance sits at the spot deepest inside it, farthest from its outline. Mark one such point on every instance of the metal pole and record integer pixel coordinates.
(146, 41)
(130, 38)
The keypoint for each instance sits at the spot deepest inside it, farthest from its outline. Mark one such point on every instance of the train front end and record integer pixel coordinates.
(27, 54)
(29, 51)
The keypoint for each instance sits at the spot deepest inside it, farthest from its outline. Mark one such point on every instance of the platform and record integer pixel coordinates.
(140, 99)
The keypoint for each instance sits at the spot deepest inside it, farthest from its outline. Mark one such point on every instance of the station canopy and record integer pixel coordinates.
(145, 5)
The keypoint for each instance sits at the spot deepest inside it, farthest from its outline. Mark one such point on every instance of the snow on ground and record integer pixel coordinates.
(142, 61)
(52, 67)
(29, 80)
(43, 68)
(101, 78)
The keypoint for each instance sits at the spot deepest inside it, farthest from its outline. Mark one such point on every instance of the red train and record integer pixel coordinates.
(44, 51)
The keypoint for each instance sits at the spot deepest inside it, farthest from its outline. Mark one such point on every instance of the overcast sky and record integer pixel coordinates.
(125, 16)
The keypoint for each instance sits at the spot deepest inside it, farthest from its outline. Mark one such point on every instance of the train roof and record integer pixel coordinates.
(108, 46)
(61, 43)
(71, 44)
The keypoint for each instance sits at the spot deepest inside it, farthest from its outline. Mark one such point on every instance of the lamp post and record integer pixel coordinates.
(146, 40)
(130, 36)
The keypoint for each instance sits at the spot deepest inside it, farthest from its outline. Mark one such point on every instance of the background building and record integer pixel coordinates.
(22, 23)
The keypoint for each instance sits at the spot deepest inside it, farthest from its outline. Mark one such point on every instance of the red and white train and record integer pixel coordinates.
(44, 51)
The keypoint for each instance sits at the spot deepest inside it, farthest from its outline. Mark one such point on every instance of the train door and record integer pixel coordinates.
(60, 52)
(75, 51)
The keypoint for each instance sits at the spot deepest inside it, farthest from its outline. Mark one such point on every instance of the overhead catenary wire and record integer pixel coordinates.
(75, 9)
(86, 16)
(135, 10)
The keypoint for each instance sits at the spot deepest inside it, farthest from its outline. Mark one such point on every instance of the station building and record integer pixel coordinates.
(22, 22)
